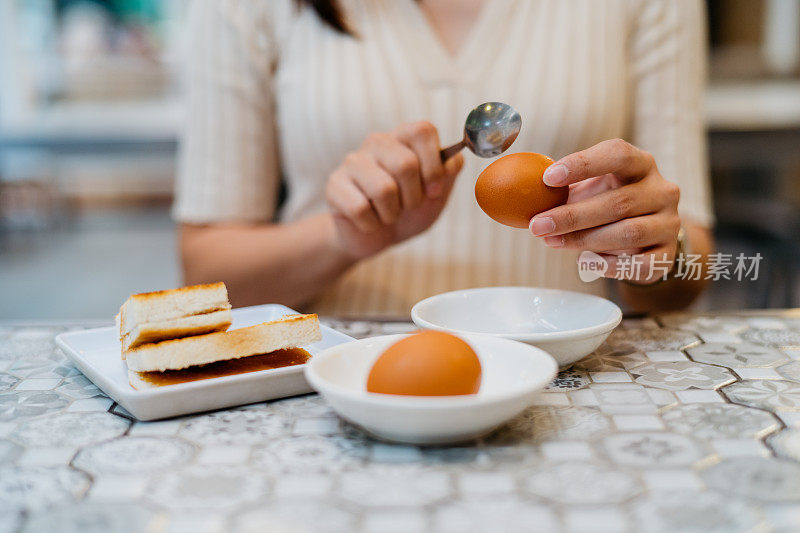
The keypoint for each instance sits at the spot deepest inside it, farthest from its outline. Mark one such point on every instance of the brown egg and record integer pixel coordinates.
(428, 363)
(511, 190)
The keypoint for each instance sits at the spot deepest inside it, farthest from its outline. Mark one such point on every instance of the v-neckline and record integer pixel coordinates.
(456, 54)
(427, 53)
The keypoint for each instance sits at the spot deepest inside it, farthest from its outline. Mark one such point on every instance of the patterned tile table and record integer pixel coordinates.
(677, 423)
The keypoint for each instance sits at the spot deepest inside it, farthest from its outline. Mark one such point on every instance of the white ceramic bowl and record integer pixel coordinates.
(567, 325)
(512, 375)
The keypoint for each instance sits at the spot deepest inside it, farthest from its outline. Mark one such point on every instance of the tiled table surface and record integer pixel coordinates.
(679, 423)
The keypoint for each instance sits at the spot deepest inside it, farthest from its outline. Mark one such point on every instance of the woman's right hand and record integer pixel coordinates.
(390, 189)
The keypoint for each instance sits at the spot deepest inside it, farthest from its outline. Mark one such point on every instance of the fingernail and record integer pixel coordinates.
(554, 242)
(434, 189)
(555, 175)
(542, 226)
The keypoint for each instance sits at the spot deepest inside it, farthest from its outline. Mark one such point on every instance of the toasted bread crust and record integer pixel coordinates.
(169, 292)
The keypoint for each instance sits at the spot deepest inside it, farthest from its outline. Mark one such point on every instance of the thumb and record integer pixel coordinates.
(451, 169)
(453, 166)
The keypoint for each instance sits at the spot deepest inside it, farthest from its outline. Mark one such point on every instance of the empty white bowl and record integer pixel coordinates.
(512, 374)
(567, 325)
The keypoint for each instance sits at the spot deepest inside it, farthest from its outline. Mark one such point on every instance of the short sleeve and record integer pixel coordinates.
(668, 72)
(228, 168)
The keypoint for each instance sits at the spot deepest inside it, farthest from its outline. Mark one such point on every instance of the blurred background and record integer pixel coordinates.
(90, 113)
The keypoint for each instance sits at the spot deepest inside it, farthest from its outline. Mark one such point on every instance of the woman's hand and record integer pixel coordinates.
(392, 188)
(618, 204)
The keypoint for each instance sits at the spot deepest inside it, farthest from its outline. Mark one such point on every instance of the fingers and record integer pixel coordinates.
(423, 139)
(400, 162)
(591, 187)
(390, 173)
(614, 156)
(604, 208)
(348, 201)
(636, 232)
(377, 185)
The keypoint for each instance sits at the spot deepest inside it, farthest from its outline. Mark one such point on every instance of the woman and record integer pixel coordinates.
(347, 104)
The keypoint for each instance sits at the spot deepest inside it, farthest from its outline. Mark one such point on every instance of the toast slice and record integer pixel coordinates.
(290, 331)
(157, 316)
(172, 303)
(176, 328)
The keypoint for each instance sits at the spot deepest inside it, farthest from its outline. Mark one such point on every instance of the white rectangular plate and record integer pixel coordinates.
(96, 352)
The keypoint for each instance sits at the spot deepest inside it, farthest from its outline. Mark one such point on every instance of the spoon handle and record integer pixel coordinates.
(450, 151)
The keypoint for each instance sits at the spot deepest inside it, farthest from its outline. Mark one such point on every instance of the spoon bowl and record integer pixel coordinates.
(490, 129)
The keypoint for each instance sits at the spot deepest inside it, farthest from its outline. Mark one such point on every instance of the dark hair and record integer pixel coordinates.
(330, 11)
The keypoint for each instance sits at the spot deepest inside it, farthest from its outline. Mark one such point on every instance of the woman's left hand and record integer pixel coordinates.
(619, 203)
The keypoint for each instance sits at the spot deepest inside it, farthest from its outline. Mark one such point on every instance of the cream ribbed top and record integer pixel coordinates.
(274, 94)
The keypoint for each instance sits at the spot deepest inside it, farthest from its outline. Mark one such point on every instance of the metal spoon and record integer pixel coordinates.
(489, 130)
